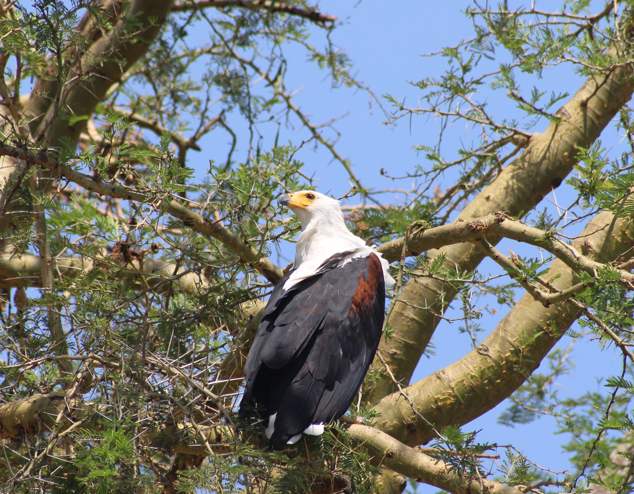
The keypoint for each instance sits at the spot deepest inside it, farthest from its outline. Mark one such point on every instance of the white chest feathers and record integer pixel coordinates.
(319, 242)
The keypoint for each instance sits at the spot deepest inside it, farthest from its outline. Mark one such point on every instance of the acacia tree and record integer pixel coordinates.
(132, 281)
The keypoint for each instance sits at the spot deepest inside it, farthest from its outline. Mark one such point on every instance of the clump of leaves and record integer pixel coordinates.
(460, 450)
(378, 225)
(517, 470)
(105, 463)
(331, 459)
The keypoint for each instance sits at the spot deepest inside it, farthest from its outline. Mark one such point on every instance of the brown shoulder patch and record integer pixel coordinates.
(365, 294)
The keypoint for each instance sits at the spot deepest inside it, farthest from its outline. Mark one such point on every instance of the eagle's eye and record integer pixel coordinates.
(310, 196)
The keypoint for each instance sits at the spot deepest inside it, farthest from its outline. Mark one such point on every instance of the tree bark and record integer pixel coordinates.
(424, 468)
(24, 270)
(486, 376)
(547, 160)
(29, 415)
(102, 65)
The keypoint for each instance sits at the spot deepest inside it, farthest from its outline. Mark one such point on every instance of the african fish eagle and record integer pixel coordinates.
(320, 328)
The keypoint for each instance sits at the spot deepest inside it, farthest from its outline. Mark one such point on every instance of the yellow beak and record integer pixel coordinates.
(295, 201)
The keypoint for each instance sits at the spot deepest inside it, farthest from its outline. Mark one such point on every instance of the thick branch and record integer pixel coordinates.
(101, 66)
(421, 467)
(29, 415)
(546, 161)
(90, 28)
(497, 367)
(47, 266)
(496, 226)
(24, 271)
(12, 169)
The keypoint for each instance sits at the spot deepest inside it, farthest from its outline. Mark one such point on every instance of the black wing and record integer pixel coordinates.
(314, 345)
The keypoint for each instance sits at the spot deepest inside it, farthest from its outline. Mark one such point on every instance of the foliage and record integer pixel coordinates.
(460, 450)
(132, 322)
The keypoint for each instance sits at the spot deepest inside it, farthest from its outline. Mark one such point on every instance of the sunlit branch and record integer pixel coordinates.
(421, 467)
(24, 270)
(484, 377)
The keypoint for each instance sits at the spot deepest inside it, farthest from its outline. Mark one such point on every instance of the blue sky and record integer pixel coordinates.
(386, 41)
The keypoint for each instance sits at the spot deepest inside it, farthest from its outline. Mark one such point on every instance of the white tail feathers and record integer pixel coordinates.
(268, 432)
(314, 430)
(294, 439)
(311, 430)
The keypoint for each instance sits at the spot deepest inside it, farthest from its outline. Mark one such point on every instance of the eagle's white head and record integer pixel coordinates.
(324, 234)
(312, 206)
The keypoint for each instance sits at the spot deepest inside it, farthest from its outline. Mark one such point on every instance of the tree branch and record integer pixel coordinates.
(423, 468)
(30, 414)
(543, 165)
(497, 367)
(101, 66)
(90, 28)
(496, 225)
(310, 13)
(24, 270)
(621, 464)
(546, 298)
(288, 100)
(184, 213)
(53, 317)
(154, 125)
